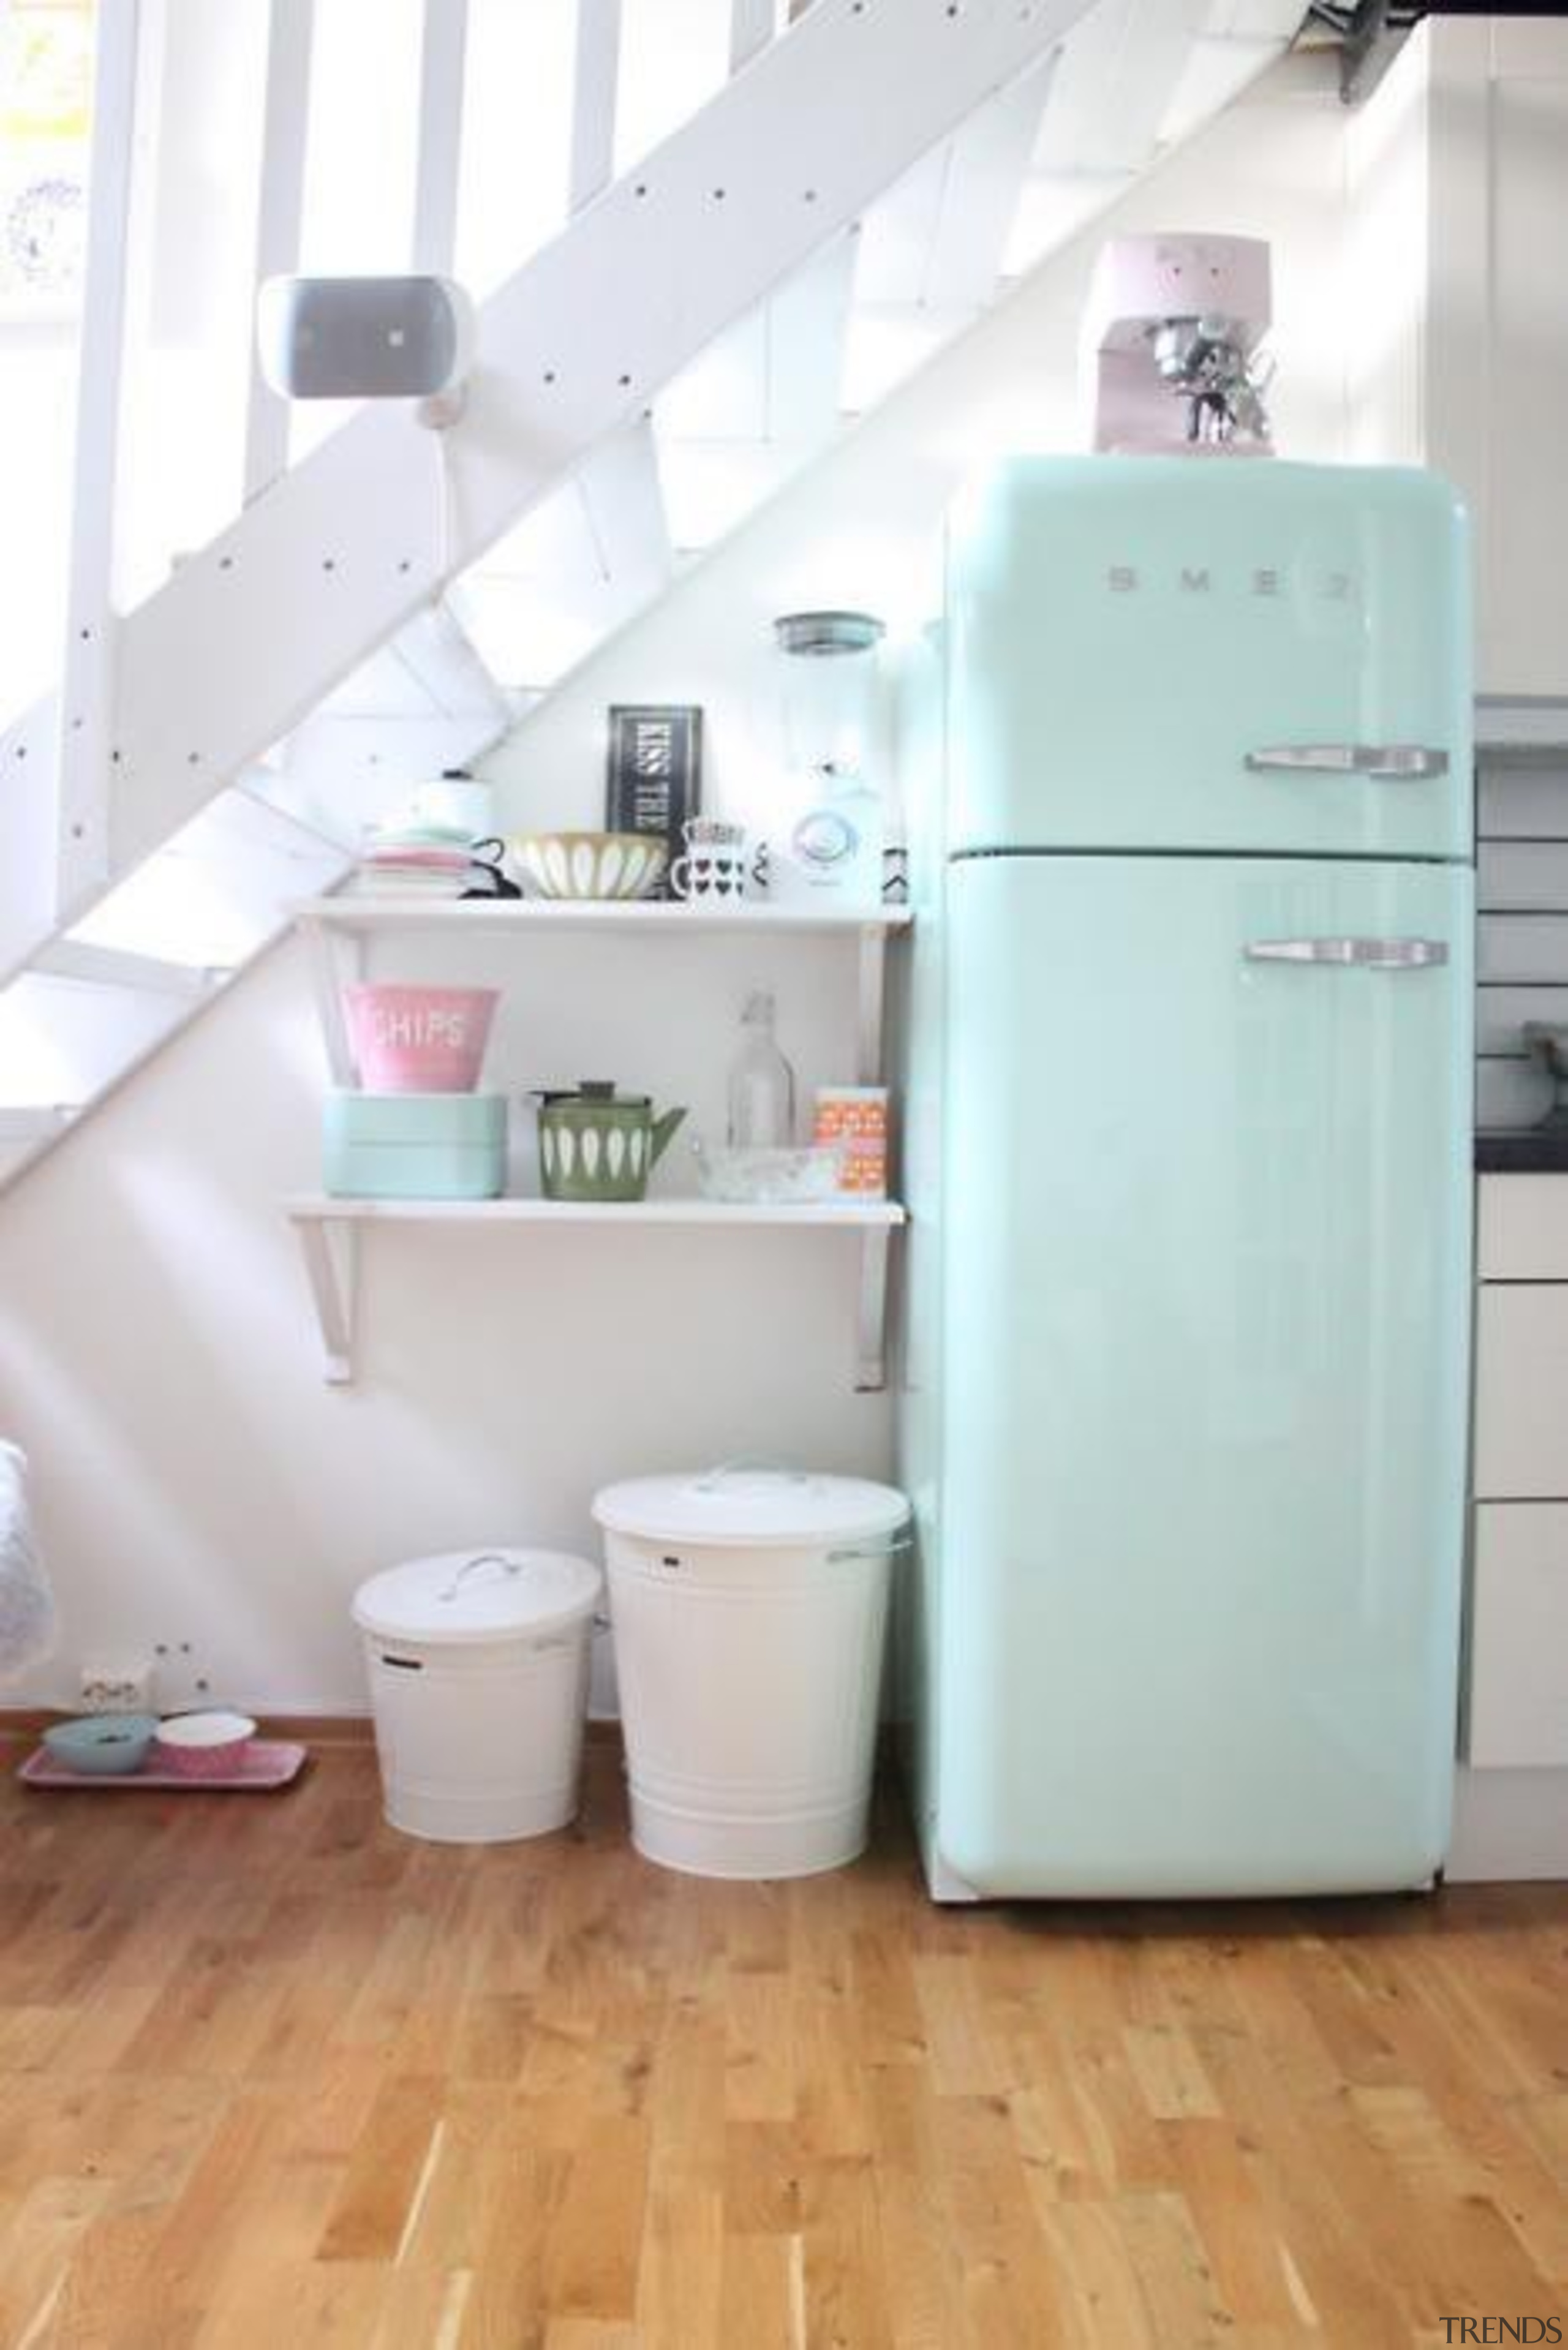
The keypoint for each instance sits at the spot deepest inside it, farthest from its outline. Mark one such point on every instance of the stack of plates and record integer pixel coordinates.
(411, 860)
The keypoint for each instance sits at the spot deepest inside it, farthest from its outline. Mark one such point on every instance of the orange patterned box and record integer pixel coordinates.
(857, 1117)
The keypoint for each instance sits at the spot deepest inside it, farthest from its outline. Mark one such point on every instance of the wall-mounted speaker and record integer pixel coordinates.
(364, 338)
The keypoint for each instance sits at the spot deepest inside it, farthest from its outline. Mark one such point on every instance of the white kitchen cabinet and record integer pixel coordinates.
(1519, 1636)
(1521, 1390)
(1521, 1228)
(1517, 1683)
(1459, 177)
(1510, 1794)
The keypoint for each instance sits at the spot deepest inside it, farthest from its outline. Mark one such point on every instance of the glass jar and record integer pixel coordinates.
(761, 1083)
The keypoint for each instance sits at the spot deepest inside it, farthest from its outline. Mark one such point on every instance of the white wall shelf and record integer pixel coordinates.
(329, 1232)
(851, 1214)
(338, 930)
(651, 916)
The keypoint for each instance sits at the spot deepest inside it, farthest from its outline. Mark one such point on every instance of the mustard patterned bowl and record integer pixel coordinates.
(588, 864)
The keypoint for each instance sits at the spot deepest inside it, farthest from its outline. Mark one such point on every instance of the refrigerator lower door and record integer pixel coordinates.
(1205, 1305)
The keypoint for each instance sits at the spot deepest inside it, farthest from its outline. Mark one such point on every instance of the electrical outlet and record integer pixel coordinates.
(182, 1678)
(117, 1688)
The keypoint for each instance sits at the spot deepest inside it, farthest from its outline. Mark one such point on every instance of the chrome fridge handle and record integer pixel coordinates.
(1364, 954)
(1398, 761)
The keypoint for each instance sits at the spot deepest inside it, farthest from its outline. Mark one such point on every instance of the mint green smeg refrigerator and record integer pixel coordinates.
(1188, 1162)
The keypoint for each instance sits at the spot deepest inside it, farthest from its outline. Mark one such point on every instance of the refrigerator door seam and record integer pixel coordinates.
(1220, 855)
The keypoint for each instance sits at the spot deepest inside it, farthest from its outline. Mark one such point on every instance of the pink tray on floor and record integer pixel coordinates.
(267, 1762)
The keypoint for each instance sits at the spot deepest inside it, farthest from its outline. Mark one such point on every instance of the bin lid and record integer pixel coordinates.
(774, 1508)
(477, 1595)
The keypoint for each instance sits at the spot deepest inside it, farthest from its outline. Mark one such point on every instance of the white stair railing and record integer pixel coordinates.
(123, 95)
(280, 215)
(102, 787)
(247, 635)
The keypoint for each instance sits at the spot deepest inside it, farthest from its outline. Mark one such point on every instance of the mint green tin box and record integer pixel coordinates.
(414, 1146)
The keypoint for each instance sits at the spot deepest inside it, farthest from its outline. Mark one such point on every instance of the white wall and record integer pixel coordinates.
(195, 1479)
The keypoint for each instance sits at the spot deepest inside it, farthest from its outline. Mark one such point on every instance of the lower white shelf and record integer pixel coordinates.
(853, 1214)
(329, 1233)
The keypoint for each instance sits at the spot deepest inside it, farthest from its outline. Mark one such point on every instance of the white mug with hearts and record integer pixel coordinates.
(718, 863)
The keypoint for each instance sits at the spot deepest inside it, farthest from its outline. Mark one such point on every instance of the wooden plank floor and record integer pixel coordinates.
(272, 2075)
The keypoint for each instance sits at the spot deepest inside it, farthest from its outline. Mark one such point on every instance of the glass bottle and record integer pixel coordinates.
(761, 1083)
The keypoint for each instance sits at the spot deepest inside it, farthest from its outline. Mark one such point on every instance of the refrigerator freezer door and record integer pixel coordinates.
(1161, 653)
(1205, 1298)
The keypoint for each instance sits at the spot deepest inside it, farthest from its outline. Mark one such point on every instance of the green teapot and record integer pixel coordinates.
(598, 1145)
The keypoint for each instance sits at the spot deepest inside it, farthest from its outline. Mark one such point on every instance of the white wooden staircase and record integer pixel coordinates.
(698, 330)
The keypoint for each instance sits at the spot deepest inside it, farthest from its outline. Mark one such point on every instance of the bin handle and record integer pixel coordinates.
(888, 1550)
(482, 1558)
(713, 1478)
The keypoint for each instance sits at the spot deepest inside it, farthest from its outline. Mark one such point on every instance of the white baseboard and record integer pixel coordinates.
(1509, 1825)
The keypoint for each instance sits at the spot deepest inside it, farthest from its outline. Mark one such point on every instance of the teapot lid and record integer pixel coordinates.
(592, 1089)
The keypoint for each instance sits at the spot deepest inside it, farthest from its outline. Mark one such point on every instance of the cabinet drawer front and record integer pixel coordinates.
(1518, 1638)
(1521, 1392)
(1521, 1228)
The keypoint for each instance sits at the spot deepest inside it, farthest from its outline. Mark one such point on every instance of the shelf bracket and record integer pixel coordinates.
(869, 1051)
(871, 1348)
(331, 1251)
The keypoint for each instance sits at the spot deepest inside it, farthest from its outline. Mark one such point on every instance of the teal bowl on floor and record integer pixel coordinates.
(102, 1745)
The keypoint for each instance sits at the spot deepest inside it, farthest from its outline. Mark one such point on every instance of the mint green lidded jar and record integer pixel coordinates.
(414, 1146)
(596, 1145)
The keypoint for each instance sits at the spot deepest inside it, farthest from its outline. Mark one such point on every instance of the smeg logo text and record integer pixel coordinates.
(1198, 579)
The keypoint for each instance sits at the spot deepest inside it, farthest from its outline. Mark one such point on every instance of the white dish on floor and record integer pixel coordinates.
(202, 1745)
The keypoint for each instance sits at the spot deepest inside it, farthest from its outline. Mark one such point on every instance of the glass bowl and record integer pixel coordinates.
(789, 1177)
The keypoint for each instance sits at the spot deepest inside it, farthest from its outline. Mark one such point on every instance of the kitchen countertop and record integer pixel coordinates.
(1527, 1150)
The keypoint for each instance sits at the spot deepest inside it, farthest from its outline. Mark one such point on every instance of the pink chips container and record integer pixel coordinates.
(419, 1040)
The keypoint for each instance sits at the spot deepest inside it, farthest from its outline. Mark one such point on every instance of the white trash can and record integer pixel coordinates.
(479, 1679)
(748, 1609)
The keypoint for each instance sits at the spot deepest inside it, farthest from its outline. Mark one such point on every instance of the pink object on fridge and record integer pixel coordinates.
(419, 1040)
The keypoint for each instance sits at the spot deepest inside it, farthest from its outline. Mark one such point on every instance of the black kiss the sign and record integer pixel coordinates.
(654, 778)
